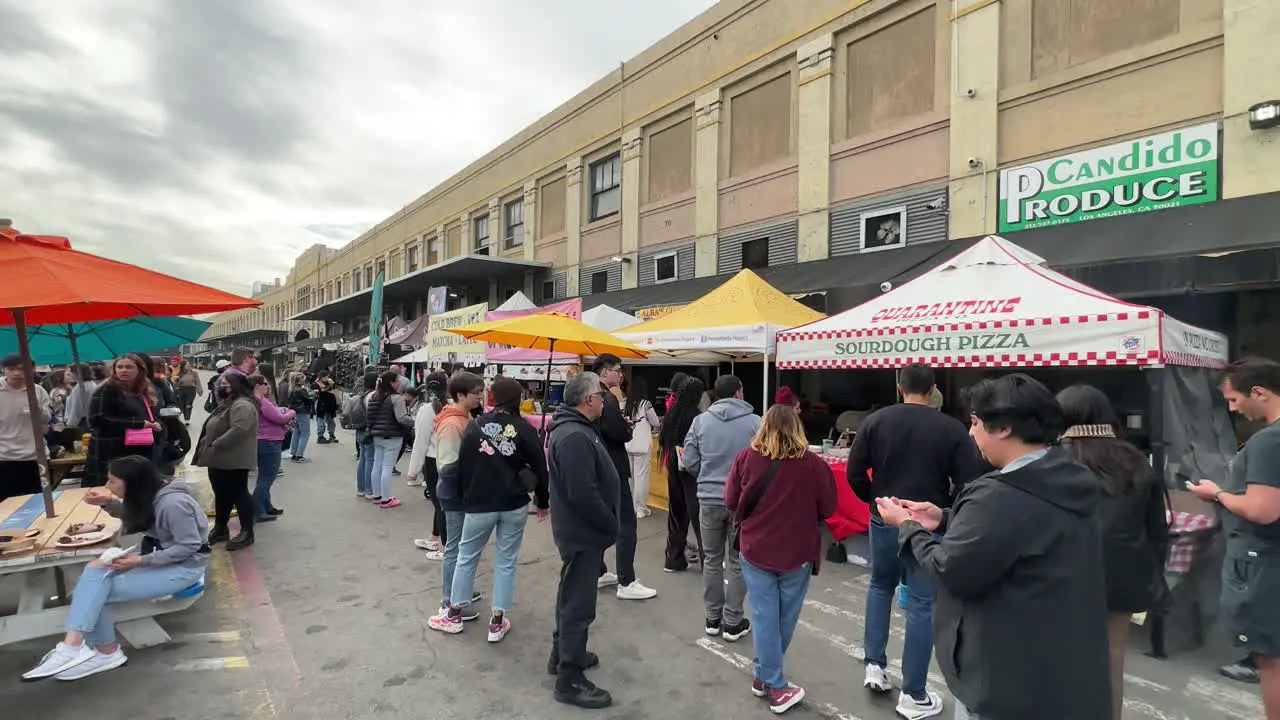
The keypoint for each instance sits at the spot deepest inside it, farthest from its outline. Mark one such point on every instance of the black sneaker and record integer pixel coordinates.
(265, 518)
(275, 511)
(333, 439)
(713, 627)
(1244, 671)
(395, 471)
(733, 633)
(553, 665)
(321, 441)
(584, 694)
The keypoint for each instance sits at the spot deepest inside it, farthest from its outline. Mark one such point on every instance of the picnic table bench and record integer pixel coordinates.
(60, 468)
(32, 568)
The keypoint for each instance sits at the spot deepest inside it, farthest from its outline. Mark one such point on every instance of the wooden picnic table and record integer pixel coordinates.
(60, 467)
(33, 568)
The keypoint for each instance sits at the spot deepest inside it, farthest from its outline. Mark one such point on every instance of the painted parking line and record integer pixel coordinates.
(743, 663)
(205, 664)
(209, 637)
(855, 650)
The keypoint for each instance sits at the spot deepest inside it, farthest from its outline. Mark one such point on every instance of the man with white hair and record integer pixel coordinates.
(585, 488)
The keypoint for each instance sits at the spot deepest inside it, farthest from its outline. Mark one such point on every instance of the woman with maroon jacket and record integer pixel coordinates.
(779, 494)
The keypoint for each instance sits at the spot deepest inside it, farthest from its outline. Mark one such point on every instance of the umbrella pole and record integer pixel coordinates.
(33, 404)
(75, 351)
(546, 387)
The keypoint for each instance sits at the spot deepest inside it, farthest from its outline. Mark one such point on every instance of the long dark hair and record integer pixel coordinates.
(637, 394)
(141, 483)
(385, 384)
(268, 371)
(436, 383)
(240, 387)
(1121, 466)
(678, 420)
(677, 381)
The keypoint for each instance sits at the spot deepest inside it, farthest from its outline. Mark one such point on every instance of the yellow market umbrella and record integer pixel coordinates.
(552, 332)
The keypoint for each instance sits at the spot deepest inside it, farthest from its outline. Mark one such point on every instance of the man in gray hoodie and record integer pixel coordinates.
(714, 440)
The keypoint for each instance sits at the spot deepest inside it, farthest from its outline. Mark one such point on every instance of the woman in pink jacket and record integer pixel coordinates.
(273, 421)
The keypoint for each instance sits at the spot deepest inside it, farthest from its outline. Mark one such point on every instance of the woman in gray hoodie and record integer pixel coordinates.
(173, 559)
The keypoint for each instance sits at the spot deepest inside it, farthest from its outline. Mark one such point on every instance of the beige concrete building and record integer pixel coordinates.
(836, 144)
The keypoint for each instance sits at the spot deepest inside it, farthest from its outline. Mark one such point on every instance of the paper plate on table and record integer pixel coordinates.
(75, 541)
(12, 541)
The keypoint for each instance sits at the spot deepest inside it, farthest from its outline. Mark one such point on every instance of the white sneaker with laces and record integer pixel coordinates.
(606, 580)
(912, 709)
(61, 657)
(100, 662)
(427, 543)
(636, 591)
(415, 483)
(876, 679)
(436, 555)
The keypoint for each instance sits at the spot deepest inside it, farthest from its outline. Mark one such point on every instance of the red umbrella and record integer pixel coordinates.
(47, 282)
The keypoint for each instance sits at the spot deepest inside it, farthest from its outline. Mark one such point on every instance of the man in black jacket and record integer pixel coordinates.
(1020, 619)
(585, 488)
(615, 431)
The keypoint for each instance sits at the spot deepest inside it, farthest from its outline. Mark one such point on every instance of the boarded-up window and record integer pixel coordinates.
(891, 74)
(551, 208)
(453, 241)
(1069, 32)
(671, 161)
(760, 126)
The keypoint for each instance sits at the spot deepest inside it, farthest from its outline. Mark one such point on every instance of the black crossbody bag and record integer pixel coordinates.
(750, 502)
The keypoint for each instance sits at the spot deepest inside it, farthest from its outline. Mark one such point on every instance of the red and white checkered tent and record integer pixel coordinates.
(997, 305)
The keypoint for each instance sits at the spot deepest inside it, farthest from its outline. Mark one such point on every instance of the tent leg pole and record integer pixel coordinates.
(764, 376)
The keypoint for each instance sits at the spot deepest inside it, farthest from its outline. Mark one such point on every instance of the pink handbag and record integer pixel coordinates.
(141, 437)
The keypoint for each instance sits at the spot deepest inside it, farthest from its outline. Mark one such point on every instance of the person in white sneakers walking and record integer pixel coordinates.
(422, 461)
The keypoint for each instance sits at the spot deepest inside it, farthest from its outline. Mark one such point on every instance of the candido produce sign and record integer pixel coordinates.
(1162, 171)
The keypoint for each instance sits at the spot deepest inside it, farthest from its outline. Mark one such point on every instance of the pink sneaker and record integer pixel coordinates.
(758, 689)
(499, 630)
(783, 700)
(445, 623)
(390, 503)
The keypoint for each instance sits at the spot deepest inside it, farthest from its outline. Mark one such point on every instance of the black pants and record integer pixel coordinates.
(431, 474)
(682, 509)
(575, 611)
(19, 477)
(186, 400)
(406, 444)
(231, 490)
(625, 549)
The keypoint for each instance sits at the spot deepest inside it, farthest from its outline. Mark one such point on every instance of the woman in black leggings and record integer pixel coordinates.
(229, 448)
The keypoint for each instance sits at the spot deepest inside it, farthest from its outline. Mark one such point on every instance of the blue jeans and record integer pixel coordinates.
(776, 601)
(268, 468)
(364, 464)
(453, 521)
(886, 572)
(476, 530)
(97, 588)
(324, 425)
(385, 452)
(301, 433)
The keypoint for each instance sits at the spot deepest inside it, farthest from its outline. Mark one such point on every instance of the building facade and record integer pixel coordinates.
(837, 144)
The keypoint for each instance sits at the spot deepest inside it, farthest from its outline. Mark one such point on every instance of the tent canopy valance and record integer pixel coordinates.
(741, 317)
(998, 305)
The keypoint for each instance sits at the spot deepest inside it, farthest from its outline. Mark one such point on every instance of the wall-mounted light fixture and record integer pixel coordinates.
(620, 259)
(1264, 115)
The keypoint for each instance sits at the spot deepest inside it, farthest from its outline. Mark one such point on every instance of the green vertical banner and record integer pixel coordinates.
(375, 320)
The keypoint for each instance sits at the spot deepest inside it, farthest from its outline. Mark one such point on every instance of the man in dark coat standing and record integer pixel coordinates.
(1020, 618)
(584, 522)
(615, 431)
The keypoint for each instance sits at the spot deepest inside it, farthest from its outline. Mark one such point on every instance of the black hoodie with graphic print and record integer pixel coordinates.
(495, 446)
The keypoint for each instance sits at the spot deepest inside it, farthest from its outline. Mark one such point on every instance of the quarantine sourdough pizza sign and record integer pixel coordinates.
(1162, 171)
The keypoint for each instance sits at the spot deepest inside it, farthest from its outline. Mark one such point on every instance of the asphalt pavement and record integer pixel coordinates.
(325, 618)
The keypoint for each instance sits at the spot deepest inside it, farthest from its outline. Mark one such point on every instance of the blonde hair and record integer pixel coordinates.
(781, 436)
(297, 379)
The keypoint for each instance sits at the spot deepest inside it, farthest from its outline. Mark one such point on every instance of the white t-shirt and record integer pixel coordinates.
(17, 442)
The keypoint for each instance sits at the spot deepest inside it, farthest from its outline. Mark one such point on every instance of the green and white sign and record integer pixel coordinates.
(1153, 173)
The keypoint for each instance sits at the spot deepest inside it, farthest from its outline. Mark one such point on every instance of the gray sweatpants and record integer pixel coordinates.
(723, 600)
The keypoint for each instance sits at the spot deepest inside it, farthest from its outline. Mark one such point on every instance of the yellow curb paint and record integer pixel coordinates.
(226, 663)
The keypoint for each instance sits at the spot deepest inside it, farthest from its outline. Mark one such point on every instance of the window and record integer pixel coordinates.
(411, 258)
(599, 281)
(884, 229)
(548, 289)
(606, 187)
(480, 227)
(665, 267)
(513, 222)
(433, 251)
(337, 287)
(368, 276)
(382, 269)
(755, 254)
(355, 281)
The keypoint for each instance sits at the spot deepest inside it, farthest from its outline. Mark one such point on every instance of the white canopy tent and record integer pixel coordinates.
(518, 301)
(998, 305)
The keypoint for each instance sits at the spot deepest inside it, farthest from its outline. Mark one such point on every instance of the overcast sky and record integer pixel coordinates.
(216, 139)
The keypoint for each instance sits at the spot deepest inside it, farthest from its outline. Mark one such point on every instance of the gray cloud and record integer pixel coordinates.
(217, 140)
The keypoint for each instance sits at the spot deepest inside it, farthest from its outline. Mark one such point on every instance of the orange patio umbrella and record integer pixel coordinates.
(47, 282)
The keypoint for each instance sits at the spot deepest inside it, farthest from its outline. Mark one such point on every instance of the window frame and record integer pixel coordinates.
(411, 258)
(549, 295)
(743, 248)
(513, 235)
(675, 262)
(476, 223)
(596, 191)
(592, 281)
(899, 210)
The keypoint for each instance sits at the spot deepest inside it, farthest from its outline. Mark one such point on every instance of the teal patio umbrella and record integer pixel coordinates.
(66, 343)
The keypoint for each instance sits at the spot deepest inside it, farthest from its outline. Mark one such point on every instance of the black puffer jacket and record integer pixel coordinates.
(387, 416)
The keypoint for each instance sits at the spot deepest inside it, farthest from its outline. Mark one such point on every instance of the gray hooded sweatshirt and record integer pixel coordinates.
(180, 528)
(714, 441)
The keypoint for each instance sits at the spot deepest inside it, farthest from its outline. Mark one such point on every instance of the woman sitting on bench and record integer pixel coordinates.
(173, 558)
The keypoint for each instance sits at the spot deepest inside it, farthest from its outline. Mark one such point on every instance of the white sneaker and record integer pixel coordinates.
(436, 555)
(912, 709)
(415, 483)
(606, 580)
(876, 679)
(427, 543)
(100, 662)
(636, 591)
(61, 657)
